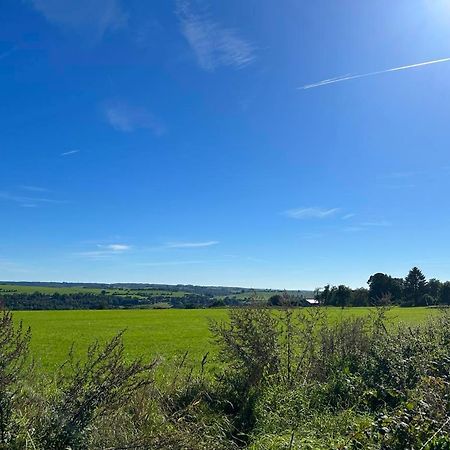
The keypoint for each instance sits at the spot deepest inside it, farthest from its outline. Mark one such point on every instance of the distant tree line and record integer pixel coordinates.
(284, 299)
(89, 300)
(413, 290)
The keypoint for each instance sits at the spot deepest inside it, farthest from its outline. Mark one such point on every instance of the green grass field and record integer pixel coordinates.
(168, 333)
(15, 288)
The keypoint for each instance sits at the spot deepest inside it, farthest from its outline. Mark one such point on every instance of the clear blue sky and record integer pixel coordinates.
(182, 142)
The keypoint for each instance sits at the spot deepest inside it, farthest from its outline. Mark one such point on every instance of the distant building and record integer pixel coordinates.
(312, 301)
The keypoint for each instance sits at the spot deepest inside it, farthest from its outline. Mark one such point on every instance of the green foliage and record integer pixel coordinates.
(356, 382)
(415, 287)
(385, 290)
(444, 293)
(382, 285)
(14, 343)
(83, 392)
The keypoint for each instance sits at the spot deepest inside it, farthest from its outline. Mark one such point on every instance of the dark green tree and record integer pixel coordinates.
(444, 293)
(360, 297)
(415, 287)
(275, 300)
(342, 296)
(323, 296)
(434, 287)
(382, 285)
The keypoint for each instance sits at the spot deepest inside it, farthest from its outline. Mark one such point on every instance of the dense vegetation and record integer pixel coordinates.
(49, 296)
(81, 300)
(287, 378)
(413, 290)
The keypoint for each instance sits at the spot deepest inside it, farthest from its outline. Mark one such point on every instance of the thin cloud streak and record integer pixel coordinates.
(116, 247)
(191, 244)
(105, 251)
(349, 77)
(28, 201)
(174, 263)
(310, 213)
(26, 187)
(364, 226)
(71, 152)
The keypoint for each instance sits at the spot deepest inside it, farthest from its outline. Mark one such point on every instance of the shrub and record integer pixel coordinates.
(14, 344)
(86, 389)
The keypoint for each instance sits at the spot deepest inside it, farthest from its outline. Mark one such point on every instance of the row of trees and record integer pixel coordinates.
(413, 290)
(103, 300)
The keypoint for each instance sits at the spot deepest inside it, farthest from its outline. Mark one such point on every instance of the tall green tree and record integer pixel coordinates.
(360, 297)
(323, 296)
(415, 287)
(382, 285)
(434, 287)
(342, 296)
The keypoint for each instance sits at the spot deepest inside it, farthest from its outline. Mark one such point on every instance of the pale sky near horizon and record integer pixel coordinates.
(282, 144)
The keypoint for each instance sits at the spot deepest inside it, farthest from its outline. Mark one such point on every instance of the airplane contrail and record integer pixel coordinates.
(369, 74)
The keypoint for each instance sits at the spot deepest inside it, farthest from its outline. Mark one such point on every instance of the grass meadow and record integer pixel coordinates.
(30, 289)
(168, 333)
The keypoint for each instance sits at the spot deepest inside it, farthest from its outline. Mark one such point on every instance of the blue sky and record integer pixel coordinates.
(196, 142)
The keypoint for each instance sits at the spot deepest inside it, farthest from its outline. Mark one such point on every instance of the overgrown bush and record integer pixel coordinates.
(14, 343)
(86, 389)
(355, 383)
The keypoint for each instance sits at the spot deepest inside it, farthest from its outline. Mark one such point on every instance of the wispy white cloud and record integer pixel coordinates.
(89, 18)
(173, 263)
(213, 44)
(349, 77)
(70, 152)
(367, 225)
(105, 251)
(27, 187)
(127, 118)
(116, 247)
(348, 216)
(27, 201)
(191, 244)
(310, 213)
